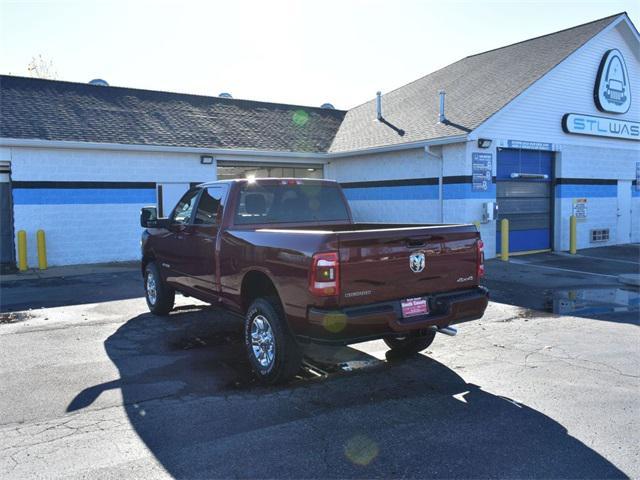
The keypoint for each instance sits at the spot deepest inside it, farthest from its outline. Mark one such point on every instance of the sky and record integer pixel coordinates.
(301, 52)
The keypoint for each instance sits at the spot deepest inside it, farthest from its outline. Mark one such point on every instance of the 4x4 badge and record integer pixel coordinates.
(416, 262)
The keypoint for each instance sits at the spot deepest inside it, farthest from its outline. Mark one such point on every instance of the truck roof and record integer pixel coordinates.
(270, 179)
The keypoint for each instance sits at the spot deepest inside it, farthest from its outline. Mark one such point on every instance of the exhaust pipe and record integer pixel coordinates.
(441, 116)
(452, 332)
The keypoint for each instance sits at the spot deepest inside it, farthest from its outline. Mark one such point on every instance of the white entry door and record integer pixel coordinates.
(624, 212)
(168, 196)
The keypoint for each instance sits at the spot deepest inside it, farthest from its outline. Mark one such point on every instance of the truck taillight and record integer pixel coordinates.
(480, 259)
(324, 278)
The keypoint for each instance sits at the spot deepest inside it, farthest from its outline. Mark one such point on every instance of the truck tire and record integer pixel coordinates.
(273, 352)
(411, 344)
(159, 295)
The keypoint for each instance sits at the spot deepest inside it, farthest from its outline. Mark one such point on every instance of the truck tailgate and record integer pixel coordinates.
(376, 265)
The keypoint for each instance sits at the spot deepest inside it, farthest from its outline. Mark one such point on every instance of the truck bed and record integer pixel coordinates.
(375, 258)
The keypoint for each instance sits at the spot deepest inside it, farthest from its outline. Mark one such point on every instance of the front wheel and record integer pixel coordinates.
(411, 344)
(160, 296)
(273, 353)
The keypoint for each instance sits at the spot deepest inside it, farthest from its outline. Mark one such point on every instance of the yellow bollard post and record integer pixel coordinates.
(42, 250)
(22, 251)
(573, 235)
(504, 233)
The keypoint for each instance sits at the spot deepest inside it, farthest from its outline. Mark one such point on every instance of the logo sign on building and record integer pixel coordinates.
(612, 92)
(527, 145)
(481, 166)
(580, 208)
(600, 126)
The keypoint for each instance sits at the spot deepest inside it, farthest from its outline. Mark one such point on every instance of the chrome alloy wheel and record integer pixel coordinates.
(152, 293)
(263, 342)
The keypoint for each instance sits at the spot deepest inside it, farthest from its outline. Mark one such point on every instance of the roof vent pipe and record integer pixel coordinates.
(441, 117)
(379, 105)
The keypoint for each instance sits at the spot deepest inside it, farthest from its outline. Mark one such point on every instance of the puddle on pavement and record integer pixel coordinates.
(14, 317)
(593, 301)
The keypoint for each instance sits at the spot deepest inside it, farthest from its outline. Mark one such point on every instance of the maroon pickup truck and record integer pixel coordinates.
(287, 255)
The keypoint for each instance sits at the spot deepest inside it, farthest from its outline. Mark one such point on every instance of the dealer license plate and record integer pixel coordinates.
(414, 306)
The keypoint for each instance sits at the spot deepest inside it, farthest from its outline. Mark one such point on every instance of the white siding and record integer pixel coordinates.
(399, 165)
(90, 232)
(98, 232)
(635, 216)
(396, 165)
(415, 164)
(536, 114)
(575, 161)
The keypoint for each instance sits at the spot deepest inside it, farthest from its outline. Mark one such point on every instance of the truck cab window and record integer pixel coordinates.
(184, 209)
(209, 206)
(294, 203)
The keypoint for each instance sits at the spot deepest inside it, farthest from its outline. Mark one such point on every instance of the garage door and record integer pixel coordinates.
(524, 196)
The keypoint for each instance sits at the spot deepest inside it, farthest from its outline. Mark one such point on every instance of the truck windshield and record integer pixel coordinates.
(290, 202)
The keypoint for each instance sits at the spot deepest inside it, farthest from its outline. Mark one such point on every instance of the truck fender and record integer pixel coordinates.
(258, 282)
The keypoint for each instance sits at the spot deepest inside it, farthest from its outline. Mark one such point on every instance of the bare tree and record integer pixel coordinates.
(40, 67)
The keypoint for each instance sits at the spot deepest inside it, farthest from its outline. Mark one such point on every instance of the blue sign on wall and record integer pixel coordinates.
(481, 171)
(527, 145)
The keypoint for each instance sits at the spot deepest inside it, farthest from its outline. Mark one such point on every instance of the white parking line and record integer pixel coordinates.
(612, 260)
(563, 254)
(522, 262)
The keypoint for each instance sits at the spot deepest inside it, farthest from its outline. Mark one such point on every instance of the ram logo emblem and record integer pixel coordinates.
(416, 262)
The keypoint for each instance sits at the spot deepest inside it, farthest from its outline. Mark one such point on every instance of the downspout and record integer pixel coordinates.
(430, 153)
(441, 186)
(441, 119)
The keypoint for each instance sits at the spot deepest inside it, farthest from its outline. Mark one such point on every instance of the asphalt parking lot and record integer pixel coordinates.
(546, 385)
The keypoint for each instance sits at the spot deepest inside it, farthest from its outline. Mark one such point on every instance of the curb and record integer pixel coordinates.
(70, 271)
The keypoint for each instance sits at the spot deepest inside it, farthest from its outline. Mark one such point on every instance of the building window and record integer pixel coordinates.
(600, 235)
(229, 170)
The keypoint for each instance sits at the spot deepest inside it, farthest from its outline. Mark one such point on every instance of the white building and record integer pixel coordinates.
(543, 128)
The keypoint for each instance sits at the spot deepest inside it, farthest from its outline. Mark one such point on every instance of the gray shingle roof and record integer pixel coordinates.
(55, 110)
(476, 86)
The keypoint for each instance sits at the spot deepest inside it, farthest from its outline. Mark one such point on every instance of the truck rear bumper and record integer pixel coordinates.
(385, 318)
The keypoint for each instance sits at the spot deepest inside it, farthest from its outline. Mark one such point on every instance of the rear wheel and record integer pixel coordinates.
(160, 296)
(411, 344)
(273, 352)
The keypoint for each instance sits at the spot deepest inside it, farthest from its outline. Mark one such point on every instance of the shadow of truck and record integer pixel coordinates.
(188, 395)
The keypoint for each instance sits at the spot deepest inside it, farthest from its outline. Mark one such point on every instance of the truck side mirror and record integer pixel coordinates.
(149, 217)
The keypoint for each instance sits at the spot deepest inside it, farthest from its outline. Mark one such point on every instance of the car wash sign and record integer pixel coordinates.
(600, 126)
(611, 93)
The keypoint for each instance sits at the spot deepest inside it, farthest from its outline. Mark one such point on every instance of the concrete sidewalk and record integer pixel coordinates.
(71, 271)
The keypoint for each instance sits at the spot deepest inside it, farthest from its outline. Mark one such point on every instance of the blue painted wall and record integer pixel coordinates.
(71, 196)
